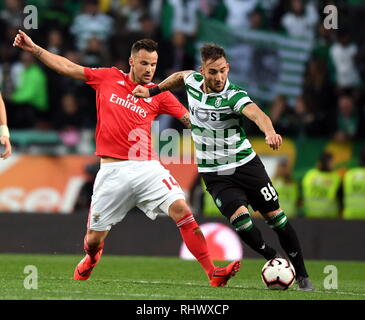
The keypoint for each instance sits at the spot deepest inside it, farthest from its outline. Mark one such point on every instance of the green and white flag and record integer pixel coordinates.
(264, 63)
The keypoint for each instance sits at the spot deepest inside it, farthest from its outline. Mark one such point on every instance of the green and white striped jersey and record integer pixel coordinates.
(220, 140)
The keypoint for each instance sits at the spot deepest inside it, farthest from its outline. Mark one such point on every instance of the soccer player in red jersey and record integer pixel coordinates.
(130, 174)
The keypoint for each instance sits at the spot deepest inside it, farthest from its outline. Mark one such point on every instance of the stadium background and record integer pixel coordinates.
(309, 79)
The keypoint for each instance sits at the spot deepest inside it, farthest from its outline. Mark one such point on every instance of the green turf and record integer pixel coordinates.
(157, 278)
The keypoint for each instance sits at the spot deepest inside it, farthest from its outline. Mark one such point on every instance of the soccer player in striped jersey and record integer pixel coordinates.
(233, 173)
(130, 174)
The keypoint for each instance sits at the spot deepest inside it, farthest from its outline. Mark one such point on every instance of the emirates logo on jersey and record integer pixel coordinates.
(129, 103)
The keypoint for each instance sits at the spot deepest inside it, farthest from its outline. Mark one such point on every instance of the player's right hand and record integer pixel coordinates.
(24, 42)
(274, 141)
(141, 92)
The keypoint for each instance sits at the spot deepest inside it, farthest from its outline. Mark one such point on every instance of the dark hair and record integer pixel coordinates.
(324, 161)
(144, 44)
(211, 51)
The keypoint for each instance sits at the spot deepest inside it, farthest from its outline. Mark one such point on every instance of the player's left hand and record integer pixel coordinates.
(141, 92)
(6, 143)
(274, 141)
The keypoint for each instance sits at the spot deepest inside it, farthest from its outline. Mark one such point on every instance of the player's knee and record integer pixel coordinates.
(242, 221)
(237, 213)
(276, 219)
(178, 209)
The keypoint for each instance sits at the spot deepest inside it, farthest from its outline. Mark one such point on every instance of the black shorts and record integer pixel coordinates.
(248, 184)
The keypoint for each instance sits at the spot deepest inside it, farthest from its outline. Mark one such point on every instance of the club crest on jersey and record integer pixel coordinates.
(218, 102)
(96, 217)
(148, 100)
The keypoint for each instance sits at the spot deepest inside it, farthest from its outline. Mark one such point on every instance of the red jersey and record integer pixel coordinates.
(123, 128)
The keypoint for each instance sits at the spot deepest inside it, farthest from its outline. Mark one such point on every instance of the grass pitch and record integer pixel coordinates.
(157, 278)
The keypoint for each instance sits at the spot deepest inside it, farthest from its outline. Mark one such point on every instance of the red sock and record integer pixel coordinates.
(92, 251)
(195, 242)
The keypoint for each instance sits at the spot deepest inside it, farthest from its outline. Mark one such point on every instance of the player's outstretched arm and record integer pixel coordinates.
(255, 114)
(4, 131)
(174, 81)
(59, 64)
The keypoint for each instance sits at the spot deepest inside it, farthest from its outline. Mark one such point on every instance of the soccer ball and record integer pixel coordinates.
(278, 274)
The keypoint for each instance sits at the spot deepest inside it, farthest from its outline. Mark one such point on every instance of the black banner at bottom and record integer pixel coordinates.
(177, 309)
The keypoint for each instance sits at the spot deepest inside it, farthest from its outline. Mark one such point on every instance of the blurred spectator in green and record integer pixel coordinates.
(354, 191)
(301, 20)
(91, 23)
(214, 9)
(238, 12)
(347, 119)
(131, 12)
(321, 190)
(30, 98)
(343, 53)
(176, 24)
(287, 188)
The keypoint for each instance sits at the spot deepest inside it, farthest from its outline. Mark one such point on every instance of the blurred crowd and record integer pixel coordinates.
(97, 33)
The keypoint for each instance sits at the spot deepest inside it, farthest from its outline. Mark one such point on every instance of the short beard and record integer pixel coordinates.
(136, 80)
(214, 90)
